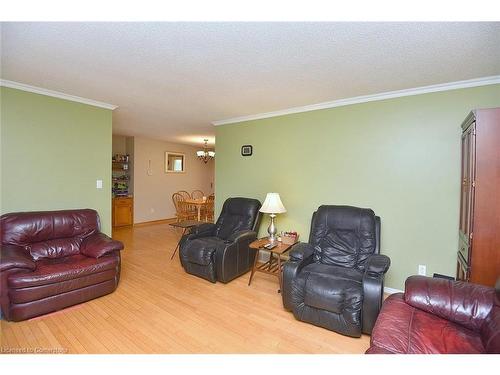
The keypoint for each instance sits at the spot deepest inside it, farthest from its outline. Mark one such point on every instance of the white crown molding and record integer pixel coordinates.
(484, 81)
(392, 290)
(55, 94)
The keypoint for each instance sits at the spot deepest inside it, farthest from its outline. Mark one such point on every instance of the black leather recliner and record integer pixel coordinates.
(221, 251)
(336, 281)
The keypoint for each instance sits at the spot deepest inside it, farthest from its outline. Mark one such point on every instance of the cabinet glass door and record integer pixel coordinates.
(466, 195)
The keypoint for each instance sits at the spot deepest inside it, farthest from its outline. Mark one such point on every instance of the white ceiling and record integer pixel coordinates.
(171, 80)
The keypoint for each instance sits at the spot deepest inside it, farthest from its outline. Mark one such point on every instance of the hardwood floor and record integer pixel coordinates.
(158, 308)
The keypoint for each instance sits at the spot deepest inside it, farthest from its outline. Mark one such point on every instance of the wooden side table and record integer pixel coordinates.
(274, 265)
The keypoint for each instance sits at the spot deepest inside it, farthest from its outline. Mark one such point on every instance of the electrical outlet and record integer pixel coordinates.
(422, 270)
(98, 184)
(152, 210)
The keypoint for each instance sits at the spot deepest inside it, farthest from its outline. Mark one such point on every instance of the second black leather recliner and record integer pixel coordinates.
(220, 251)
(336, 280)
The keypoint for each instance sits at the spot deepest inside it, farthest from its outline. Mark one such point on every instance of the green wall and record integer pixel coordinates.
(53, 151)
(400, 157)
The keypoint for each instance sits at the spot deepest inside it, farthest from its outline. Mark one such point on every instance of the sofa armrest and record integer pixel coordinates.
(377, 264)
(98, 245)
(301, 251)
(460, 302)
(12, 256)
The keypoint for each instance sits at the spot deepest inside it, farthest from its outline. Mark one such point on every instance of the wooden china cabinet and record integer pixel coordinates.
(479, 232)
(123, 202)
(122, 211)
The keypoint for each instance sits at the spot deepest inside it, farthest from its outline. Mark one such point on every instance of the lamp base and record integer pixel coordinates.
(272, 230)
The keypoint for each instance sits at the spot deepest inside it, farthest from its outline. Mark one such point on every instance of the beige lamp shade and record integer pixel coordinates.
(272, 204)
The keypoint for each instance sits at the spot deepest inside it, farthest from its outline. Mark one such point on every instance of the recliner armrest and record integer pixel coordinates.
(98, 244)
(373, 289)
(377, 264)
(301, 254)
(202, 230)
(12, 256)
(301, 251)
(242, 234)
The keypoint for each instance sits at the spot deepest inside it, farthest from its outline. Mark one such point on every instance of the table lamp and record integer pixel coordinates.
(272, 205)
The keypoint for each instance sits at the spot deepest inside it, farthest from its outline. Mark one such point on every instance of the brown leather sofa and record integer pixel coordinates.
(438, 316)
(54, 259)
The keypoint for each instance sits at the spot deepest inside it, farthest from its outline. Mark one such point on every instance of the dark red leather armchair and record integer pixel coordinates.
(52, 260)
(438, 316)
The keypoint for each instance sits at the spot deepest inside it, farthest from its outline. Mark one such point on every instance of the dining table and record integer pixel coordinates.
(199, 203)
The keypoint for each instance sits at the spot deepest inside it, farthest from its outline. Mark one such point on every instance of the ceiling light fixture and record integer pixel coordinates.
(205, 154)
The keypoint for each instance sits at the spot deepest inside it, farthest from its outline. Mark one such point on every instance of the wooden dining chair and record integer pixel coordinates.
(210, 208)
(197, 194)
(176, 199)
(187, 211)
(184, 194)
(183, 210)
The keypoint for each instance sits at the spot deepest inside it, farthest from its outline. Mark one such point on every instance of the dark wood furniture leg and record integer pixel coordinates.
(179, 243)
(254, 266)
(280, 275)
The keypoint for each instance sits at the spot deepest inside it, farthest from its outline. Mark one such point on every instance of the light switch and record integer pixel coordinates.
(98, 184)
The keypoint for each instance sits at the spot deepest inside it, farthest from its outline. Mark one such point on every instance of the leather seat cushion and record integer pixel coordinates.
(49, 271)
(200, 251)
(332, 288)
(401, 328)
(34, 293)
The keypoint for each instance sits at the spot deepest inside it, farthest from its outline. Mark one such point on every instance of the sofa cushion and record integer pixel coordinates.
(24, 228)
(200, 251)
(49, 271)
(34, 293)
(57, 248)
(401, 328)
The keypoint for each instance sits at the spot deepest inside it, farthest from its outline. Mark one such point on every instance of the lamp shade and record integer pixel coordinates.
(272, 204)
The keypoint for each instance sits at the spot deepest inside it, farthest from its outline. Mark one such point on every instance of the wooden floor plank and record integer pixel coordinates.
(158, 308)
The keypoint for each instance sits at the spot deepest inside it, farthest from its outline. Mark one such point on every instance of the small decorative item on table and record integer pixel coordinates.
(289, 238)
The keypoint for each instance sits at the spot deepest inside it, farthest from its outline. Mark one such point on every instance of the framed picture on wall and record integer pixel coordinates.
(246, 150)
(175, 162)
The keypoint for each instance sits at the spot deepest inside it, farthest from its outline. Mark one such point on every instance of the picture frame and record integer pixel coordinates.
(246, 150)
(175, 162)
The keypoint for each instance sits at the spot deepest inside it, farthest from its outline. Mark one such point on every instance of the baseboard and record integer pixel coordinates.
(152, 222)
(392, 290)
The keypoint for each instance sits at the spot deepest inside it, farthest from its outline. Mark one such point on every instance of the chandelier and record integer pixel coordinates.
(205, 154)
